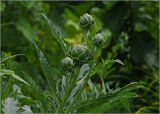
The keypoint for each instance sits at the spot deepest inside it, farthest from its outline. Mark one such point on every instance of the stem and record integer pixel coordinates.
(10, 57)
(86, 34)
(94, 54)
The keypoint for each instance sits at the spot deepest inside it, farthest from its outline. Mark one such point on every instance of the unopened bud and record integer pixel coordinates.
(98, 40)
(67, 63)
(86, 21)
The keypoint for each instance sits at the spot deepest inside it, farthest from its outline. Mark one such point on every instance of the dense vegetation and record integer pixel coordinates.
(40, 68)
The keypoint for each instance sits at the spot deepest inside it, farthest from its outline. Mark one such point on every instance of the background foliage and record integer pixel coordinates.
(131, 30)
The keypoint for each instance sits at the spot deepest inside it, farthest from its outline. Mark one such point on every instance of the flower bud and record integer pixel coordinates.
(86, 21)
(98, 39)
(67, 63)
(79, 53)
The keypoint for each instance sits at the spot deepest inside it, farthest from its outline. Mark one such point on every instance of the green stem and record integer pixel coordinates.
(10, 57)
(94, 55)
(86, 34)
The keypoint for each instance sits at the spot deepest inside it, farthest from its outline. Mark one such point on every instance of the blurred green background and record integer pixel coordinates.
(131, 30)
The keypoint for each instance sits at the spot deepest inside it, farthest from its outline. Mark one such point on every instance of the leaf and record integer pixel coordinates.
(93, 87)
(125, 103)
(9, 106)
(57, 34)
(104, 106)
(25, 27)
(130, 87)
(6, 90)
(31, 81)
(107, 102)
(10, 57)
(118, 61)
(84, 95)
(83, 70)
(48, 72)
(104, 90)
(11, 73)
(26, 110)
(74, 92)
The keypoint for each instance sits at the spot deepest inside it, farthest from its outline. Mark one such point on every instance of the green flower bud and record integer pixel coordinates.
(98, 39)
(67, 63)
(79, 53)
(86, 21)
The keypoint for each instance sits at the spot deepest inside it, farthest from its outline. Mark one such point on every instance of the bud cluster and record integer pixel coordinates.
(80, 54)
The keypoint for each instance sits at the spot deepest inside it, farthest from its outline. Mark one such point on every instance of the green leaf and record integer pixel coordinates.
(107, 102)
(6, 91)
(56, 34)
(10, 57)
(25, 27)
(125, 103)
(48, 72)
(12, 74)
(130, 87)
(104, 105)
(93, 87)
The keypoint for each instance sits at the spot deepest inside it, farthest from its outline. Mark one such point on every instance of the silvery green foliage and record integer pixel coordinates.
(83, 71)
(78, 67)
(10, 107)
